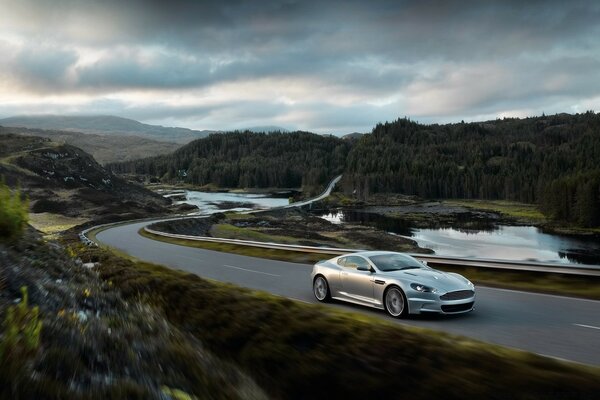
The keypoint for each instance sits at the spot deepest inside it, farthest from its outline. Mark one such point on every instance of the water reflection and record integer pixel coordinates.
(494, 241)
(393, 225)
(211, 202)
(579, 256)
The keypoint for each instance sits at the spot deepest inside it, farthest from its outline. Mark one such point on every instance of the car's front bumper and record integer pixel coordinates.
(419, 303)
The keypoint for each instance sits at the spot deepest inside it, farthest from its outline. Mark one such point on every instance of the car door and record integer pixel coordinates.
(357, 284)
(335, 278)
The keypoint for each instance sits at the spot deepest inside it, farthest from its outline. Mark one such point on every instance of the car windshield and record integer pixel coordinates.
(395, 262)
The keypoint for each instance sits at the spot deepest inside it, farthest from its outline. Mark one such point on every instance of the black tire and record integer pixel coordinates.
(321, 289)
(394, 301)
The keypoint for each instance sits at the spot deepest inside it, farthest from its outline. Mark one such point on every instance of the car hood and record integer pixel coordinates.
(442, 281)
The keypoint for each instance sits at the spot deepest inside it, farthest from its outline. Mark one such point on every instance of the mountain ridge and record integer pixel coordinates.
(105, 125)
(104, 148)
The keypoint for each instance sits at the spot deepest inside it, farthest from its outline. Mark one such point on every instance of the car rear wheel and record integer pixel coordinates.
(321, 289)
(395, 302)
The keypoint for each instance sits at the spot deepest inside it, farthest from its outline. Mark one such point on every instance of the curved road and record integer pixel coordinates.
(555, 326)
(326, 193)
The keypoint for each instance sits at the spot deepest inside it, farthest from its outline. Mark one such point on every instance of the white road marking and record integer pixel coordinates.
(588, 326)
(249, 270)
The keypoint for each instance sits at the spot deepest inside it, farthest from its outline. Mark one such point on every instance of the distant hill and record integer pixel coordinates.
(104, 148)
(105, 125)
(353, 136)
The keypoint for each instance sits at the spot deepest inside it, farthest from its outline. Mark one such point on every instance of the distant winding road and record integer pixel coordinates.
(556, 326)
(326, 193)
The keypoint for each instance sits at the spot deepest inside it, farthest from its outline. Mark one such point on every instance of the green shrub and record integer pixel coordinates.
(13, 213)
(22, 327)
(19, 341)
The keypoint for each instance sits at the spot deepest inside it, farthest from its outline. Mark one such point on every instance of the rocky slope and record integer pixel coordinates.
(68, 334)
(63, 179)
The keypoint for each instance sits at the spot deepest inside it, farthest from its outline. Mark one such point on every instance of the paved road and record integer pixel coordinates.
(326, 193)
(556, 326)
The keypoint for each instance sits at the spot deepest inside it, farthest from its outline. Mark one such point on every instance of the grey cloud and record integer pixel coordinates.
(400, 29)
(544, 52)
(125, 69)
(520, 84)
(41, 68)
(235, 113)
(128, 69)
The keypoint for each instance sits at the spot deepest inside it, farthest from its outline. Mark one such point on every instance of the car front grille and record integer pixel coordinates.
(450, 308)
(458, 295)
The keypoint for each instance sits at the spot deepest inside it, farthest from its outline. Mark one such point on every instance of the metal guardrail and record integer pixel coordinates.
(88, 242)
(250, 243)
(531, 266)
(570, 269)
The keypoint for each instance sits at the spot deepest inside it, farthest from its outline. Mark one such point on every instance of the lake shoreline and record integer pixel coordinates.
(455, 211)
(456, 230)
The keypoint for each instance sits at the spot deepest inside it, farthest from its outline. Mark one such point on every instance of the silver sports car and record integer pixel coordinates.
(396, 282)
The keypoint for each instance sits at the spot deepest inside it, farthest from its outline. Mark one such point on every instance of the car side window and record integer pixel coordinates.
(342, 261)
(355, 262)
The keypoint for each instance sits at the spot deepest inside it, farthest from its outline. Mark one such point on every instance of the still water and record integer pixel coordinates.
(496, 242)
(211, 202)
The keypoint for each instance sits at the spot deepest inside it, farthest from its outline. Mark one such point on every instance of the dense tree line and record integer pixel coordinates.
(249, 160)
(553, 161)
(574, 198)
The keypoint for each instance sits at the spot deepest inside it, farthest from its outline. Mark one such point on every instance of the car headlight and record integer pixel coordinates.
(422, 288)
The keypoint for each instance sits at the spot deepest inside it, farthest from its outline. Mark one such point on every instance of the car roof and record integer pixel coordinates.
(371, 253)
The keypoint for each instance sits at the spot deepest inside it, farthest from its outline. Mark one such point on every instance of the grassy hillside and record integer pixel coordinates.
(63, 179)
(298, 351)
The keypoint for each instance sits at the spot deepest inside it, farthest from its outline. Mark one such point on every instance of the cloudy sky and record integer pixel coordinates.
(324, 66)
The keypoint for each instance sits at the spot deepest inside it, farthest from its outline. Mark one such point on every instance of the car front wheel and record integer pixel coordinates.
(395, 302)
(321, 289)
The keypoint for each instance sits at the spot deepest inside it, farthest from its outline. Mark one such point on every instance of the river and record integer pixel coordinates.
(213, 202)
